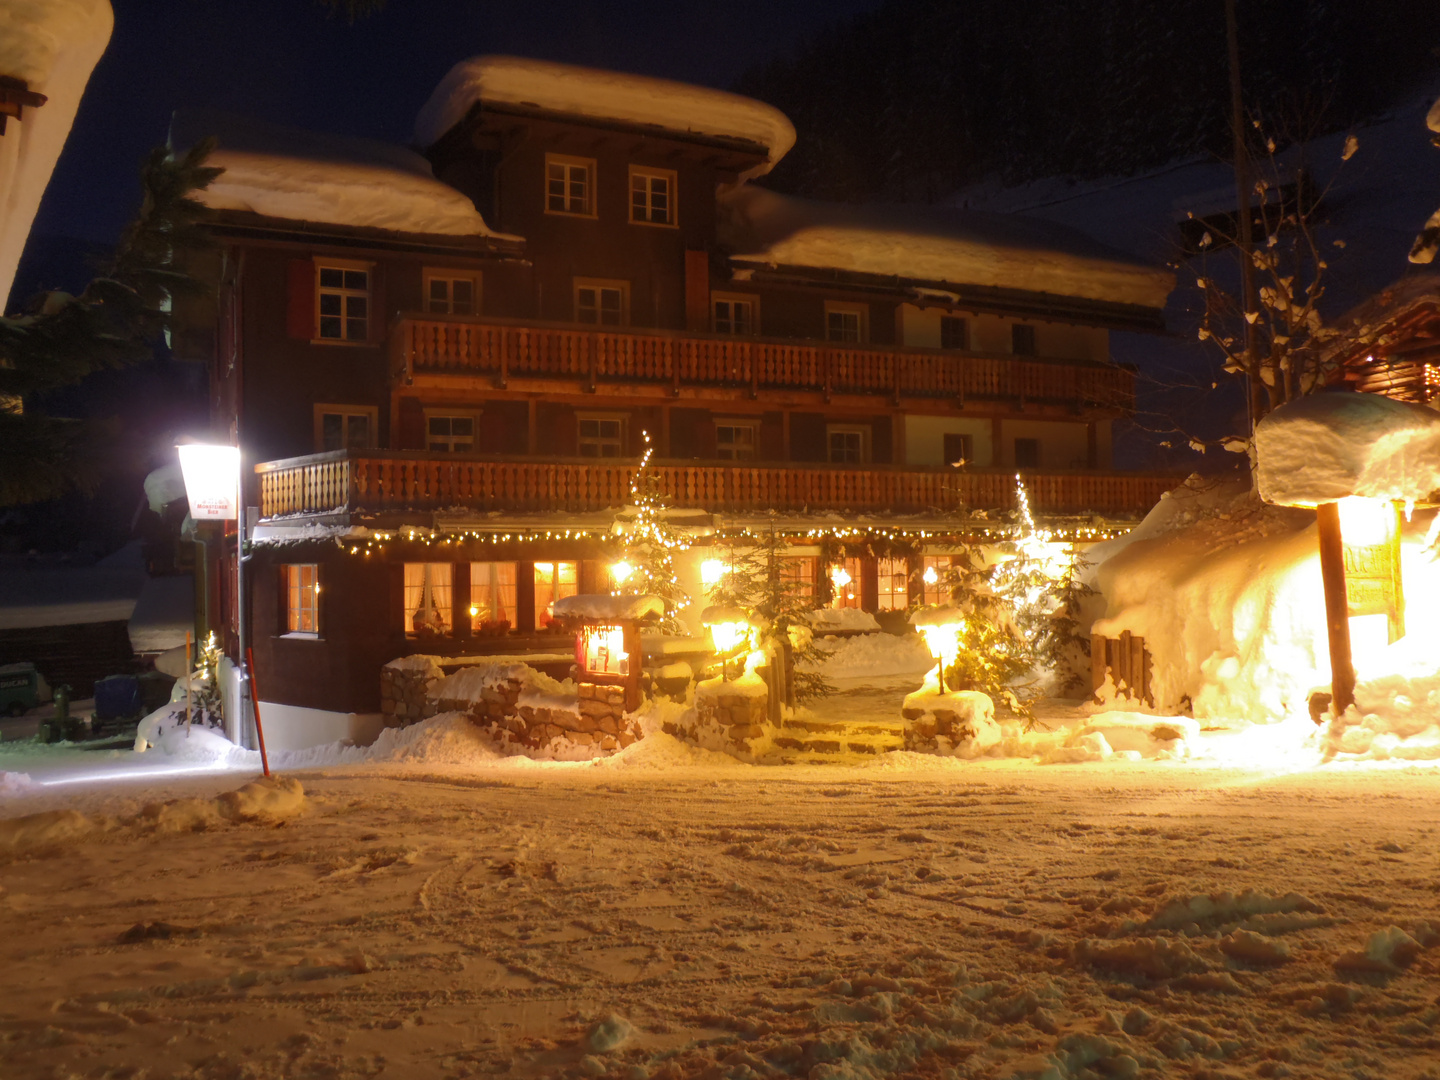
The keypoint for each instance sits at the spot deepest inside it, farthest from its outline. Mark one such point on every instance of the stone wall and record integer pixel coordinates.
(405, 687)
(728, 716)
(959, 723)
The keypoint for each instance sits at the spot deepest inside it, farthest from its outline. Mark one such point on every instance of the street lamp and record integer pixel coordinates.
(730, 631)
(212, 486)
(941, 627)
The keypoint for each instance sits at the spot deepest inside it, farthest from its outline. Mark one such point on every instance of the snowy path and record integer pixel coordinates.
(993, 919)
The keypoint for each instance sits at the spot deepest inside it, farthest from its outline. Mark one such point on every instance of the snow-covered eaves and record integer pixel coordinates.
(603, 608)
(569, 92)
(328, 180)
(1386, 318)
(68, 596)
(936, 248)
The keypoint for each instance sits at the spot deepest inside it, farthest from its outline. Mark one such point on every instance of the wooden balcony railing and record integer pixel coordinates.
(438, 345)
(351, 481)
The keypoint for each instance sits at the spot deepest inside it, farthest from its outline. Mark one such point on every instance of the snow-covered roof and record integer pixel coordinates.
(55, 596)
(164, 613)
(935, 245)
(608, 608)
(594, 94)
(1325, 447)
(284, 172)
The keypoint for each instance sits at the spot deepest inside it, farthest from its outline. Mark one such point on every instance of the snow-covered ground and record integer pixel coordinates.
(432, 909)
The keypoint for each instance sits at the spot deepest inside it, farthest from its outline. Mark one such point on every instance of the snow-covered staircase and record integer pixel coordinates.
(809, 739)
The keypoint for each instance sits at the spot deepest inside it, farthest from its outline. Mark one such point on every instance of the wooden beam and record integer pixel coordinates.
(1337, 607)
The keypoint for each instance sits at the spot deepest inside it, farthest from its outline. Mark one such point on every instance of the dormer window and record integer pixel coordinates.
(569, 185)
(652, 196)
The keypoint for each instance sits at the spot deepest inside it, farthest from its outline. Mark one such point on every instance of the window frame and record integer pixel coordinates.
(293, 604)
(888, 569)
(440, 273)
(735, 422)
(570, 161)
(863, 430)
(861, 311)
(473, 415)
(735, 298)
(447, 610)
(1018, 330)
(1029, 441)
(964, 325)
(321, 263)
(598, 284)
(555, 586)
(323, 409)
(621, 444)
(967, 442)
(650, 171)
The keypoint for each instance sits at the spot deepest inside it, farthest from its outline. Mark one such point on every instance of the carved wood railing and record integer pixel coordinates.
(437, 345)
(360, 481)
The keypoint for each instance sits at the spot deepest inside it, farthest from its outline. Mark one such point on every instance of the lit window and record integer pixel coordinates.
(452, 294)
(1022, 340)
(569, 185)
(893, 584)
(797, 576)
(428, 595)
(954, 332)
(734, 315)
(845, 322)
(1027, 453)
(848, 443)
(652, 196)
(603, 305)
(450, 434)
(343, 303)
(344, 427)
(602, 436)
(302, 598)
(492, 594)
(935, 579)
(554, 581)
(844, 583)
(735, 441)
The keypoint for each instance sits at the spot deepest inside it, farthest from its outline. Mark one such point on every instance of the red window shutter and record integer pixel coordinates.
(300, 294)
(697, 291)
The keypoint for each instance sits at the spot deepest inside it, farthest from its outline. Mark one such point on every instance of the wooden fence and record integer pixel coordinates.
(1126, 661)
(346, 481)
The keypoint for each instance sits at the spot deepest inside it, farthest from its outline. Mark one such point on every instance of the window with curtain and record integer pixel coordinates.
(428, 598)
(492, 593)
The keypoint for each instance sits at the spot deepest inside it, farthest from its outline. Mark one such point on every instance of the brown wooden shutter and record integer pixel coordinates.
(300, 294)
(697, 291)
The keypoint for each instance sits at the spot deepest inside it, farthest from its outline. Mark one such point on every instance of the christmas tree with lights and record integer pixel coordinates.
(650, 546)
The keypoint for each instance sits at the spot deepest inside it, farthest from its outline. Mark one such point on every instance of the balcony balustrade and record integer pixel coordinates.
(349, 482)
(501, 350)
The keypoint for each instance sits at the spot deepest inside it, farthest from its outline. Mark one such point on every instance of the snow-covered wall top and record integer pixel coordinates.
(602, 95)
(1325, 447)
(299, 175)
(52, 45)
(934, 244)
(608, 608)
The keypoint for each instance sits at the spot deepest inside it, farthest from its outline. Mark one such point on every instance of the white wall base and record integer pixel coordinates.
(290, 727)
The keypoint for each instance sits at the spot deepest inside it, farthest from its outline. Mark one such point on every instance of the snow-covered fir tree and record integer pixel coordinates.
(649, 546)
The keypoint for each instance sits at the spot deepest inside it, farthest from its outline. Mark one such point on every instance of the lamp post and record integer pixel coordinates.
(941, 627)
(213, 488)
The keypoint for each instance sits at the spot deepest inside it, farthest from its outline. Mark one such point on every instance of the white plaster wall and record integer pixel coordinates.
(1063, 445)
(925, 439)
(290, 727)
(920, 328)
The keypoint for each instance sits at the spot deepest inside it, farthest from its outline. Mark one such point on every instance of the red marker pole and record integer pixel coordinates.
(255, 701)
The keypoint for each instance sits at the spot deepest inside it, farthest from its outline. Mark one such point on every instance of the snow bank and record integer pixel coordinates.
(54, 828)
(52, 46)
(826, 619)
(934, 245)
(471, 681)
(603, 608)
(875, 656)
(542, 85)
(284, 172)
(1328, 446)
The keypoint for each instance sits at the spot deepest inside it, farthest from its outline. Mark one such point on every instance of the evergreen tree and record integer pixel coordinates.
(755, 583)
(112, 324)
(650, 546)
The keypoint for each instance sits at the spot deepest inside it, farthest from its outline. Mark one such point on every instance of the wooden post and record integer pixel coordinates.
(189, 696)
(255, 703)
(1337, 607)
(1097, 664)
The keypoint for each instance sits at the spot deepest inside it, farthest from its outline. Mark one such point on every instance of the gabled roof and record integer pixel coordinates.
(517, 84)
(934, 247)
(304, 176)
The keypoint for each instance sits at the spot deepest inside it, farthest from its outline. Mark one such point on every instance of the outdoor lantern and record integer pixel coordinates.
(931, 576)
(607, 644)
(621, 572)
(711, 571)
(730, 631)
(941, 627)
(603, 652)
(212, 480)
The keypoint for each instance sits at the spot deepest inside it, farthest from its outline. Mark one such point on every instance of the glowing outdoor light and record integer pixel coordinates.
(931, 576)
(1365, 522)
(711, 571)
(212, 480)
(730, 631)
(840, 577)
(603, 651)
(941, 627)
(621, 572)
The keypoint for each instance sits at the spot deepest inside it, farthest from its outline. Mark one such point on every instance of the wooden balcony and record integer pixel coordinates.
(500, 350)
(363, 482)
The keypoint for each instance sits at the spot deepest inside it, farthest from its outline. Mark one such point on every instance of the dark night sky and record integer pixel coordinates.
(287, 61)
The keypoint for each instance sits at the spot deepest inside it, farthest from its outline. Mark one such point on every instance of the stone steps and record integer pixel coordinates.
(806, 740)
